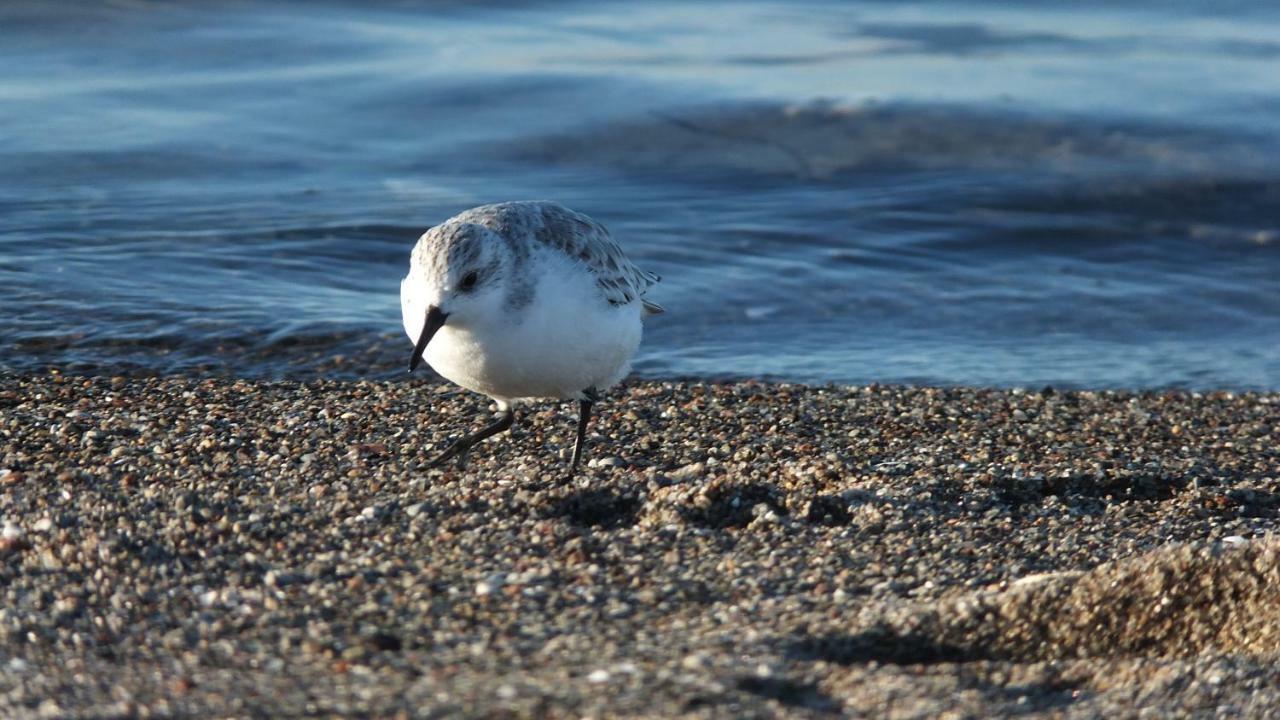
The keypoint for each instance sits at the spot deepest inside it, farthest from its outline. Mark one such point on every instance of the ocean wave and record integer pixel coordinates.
(822, 140)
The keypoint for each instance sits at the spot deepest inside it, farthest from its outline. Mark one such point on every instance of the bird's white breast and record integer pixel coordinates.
(566, 339)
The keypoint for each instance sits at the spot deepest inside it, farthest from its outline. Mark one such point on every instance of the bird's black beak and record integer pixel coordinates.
(435, 321)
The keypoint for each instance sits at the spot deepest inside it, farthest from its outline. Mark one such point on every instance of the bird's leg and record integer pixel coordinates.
(460, 446)
(584, 417)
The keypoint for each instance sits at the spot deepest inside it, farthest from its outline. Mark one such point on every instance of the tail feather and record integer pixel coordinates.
(652, 308)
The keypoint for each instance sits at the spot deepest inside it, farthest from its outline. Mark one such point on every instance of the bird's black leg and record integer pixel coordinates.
(460, 446)
(584, 417)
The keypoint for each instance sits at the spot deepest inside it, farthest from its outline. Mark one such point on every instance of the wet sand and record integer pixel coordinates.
(191, 547)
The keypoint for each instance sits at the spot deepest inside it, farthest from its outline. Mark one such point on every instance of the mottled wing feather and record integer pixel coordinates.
(585, 240)
(577, 236)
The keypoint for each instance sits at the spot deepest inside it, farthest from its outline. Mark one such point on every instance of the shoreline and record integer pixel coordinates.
(739, 549)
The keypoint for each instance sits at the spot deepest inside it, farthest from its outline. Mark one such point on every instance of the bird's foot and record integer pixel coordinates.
(457, 449)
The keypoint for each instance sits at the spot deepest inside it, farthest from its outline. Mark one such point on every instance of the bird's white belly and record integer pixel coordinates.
(562, 339)
(550, 353)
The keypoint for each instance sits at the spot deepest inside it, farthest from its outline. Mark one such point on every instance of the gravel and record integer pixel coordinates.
(208, 547)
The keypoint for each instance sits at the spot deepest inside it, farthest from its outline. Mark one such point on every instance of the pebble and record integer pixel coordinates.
(491, 584)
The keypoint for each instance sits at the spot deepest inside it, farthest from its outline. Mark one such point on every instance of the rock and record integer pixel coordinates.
(491, 584)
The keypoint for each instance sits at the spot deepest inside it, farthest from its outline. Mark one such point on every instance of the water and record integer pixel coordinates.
(945, 193)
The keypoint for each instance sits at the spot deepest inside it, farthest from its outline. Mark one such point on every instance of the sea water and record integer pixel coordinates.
(1081, 195)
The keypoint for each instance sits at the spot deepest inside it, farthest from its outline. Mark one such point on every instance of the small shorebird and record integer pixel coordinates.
(522, 301)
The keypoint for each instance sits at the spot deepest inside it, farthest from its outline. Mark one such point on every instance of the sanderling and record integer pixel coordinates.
(522, 301)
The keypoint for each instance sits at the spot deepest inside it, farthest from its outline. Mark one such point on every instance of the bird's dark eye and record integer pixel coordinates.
(468, 282)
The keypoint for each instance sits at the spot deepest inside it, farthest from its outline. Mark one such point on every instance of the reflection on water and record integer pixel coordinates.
(928, 192)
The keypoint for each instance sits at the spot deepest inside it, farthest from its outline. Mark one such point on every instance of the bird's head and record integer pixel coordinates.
(457, 276)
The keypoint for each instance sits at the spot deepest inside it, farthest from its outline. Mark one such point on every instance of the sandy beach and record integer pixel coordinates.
(204, 548)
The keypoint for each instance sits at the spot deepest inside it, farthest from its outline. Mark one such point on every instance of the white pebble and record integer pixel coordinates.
(695, 661)
(490, 584)
(689, 472)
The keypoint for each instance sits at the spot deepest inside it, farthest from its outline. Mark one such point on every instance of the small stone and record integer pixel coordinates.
(598, 676)
(491, 584)
(763, 513)
(692, 471)
(355, 653)
(695, 661)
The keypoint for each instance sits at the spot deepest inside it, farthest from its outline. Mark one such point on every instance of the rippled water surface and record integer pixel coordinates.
(955, 193)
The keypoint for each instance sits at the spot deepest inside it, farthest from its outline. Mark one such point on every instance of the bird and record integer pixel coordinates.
(524, 301)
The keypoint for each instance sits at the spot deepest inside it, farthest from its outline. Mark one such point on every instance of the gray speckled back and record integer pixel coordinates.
(522, 224)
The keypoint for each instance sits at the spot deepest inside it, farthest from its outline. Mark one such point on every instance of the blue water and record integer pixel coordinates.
(1082, 195)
